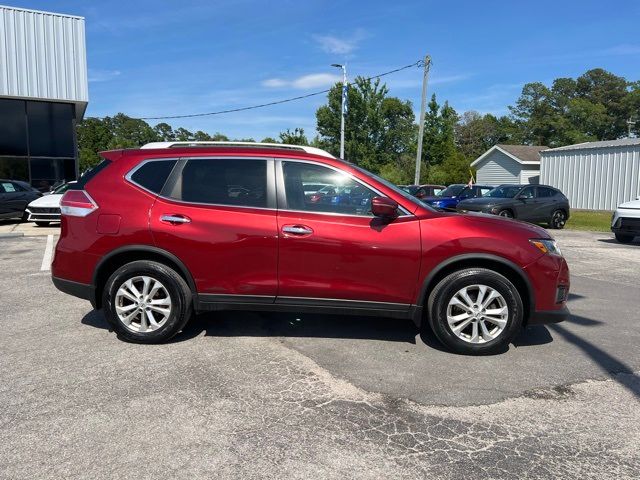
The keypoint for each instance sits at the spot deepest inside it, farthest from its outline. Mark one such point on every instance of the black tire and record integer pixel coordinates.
(176, 287)
(42, 224)
(558, 219)
(622, 238)
(25, 216)
(506, 213)
(447, 288)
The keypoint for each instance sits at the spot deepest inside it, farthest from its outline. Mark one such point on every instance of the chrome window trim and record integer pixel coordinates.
(270, 178)
(406, 213)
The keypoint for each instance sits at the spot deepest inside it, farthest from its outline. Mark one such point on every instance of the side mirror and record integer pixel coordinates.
(384, 207)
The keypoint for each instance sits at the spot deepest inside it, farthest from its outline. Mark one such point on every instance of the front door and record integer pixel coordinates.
(333, 251)
(218, 216)
(526, 205)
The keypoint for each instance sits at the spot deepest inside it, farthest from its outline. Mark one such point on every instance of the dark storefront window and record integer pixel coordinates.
(13, 127)
(14, 168)
(37, 142)
(50, 129)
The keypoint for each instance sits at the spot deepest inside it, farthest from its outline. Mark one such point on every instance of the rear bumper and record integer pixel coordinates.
(80, 290)
(549, 316)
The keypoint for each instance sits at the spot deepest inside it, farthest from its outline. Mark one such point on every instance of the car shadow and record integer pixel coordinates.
(636, 241)
(271, 324)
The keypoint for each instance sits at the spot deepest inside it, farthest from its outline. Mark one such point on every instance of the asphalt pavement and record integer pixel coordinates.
(248, 395)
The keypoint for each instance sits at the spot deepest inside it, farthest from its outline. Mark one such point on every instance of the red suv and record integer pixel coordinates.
(153, 234)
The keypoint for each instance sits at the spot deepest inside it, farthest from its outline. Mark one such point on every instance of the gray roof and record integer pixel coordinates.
(623, 142)
(526, 153)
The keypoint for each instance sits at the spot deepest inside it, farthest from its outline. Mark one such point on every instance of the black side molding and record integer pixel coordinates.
(549, 316)
(80, 290)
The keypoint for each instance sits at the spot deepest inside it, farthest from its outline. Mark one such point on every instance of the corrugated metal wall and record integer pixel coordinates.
(42, 55)
(498, 168)
(595, 178)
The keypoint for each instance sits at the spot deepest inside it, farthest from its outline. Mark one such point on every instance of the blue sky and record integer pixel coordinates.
(150, 58)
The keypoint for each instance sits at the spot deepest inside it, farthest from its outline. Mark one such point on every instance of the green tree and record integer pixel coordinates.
(379, 129)
(164, 132)
(295, 137)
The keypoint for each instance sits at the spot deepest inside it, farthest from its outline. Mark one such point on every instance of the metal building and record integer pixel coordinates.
(43, 93)
(594, 175)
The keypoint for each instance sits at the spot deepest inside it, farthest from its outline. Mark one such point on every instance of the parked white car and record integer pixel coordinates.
(625, 223)
(46, 209)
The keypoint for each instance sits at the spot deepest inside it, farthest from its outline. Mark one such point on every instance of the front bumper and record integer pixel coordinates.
(41, 214)
(549, 316)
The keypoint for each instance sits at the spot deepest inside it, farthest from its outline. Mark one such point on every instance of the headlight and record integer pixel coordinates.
(546, 246)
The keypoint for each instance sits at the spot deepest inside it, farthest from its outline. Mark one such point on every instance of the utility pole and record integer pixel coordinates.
(423, 106)
(343, 112)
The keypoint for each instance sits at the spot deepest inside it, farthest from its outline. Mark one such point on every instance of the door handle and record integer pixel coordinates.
(297, 230)
(175, 219)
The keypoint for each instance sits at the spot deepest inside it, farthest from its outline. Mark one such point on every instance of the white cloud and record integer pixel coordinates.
(102, 75)
(340, 45)
(624, 49)
(313, 80)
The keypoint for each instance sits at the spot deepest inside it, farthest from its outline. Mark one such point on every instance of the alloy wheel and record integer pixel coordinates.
(477, 314)
(142, 304)
(506, 213)
(559, 219)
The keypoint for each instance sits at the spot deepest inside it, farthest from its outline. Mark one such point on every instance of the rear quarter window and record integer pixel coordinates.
(153, 174)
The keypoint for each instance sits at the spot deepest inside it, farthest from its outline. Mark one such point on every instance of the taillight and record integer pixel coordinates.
(77, 203)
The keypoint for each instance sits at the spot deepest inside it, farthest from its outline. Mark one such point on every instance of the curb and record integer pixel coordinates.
(11, 235)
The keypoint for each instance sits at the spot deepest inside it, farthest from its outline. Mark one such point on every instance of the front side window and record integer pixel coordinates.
(341, 195)
(528, 192)
(503, 192)
(224, 181)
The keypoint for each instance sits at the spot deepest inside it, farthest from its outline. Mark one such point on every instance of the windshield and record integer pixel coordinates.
(503, 192)
(62, 188)
(452, 190)
(393, 187)
(412, 189)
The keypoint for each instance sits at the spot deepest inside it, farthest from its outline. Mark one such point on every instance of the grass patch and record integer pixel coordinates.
(597, 221)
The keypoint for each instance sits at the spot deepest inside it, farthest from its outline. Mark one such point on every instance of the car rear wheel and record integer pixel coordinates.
(42, 224)
(146, 302)
(558, 219)
(624, 238)
(505, 213)
(475, 311)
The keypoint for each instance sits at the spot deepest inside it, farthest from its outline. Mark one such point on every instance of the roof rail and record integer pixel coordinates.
(304, 148)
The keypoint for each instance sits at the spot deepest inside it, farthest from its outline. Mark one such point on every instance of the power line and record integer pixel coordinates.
(418, 64)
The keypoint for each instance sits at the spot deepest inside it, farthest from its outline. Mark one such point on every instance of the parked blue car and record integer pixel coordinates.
(448, 198)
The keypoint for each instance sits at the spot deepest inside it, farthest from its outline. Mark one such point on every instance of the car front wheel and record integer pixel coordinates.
(146, 302)
(506, 213)
(475, 311)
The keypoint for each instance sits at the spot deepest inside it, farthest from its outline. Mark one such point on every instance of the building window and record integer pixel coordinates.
(14, 168)
(13, 127)
(50, 129)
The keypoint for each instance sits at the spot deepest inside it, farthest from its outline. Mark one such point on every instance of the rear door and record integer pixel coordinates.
(218, 216)
(337, 254)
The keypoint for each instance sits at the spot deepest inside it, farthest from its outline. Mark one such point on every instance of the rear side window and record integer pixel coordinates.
(224, 181)
(546, 192)
(153, 175)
